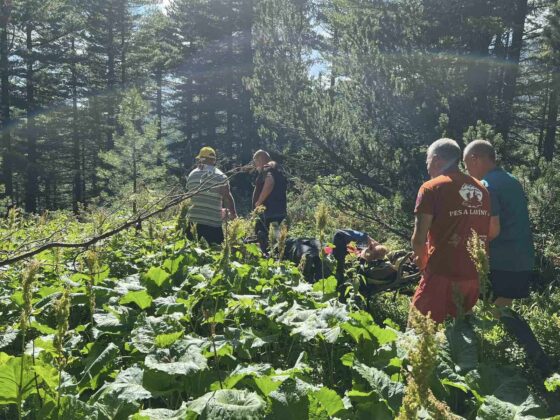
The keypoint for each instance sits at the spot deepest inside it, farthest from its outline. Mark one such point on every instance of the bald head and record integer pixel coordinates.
(261, 158)
(480, 158)
(481, 148)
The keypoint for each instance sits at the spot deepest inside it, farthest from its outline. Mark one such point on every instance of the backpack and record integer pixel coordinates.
(309, 250)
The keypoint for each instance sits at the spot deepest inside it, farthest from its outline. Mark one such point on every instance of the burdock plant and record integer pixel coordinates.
(91, 260)
(321, 220)
(282, 240)
(273, 229)
(29, 276)
(422, 359)
(62, 312)
(13, 217)
(182, 224)
(477, 250)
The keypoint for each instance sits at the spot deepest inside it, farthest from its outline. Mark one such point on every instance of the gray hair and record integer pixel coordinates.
(481, 148)
(447, 150)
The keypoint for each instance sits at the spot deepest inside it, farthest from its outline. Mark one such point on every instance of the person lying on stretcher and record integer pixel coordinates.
(380, 268)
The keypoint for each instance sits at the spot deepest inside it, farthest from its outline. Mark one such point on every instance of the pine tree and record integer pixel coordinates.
(552, 40)
(134, 164)
(5, 116)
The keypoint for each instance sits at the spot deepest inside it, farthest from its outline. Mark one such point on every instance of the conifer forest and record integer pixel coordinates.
(279, 209)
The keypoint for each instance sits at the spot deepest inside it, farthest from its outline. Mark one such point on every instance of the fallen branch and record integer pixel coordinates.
(132, 222)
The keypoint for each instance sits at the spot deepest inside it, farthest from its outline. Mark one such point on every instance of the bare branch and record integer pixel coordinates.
(132, 222)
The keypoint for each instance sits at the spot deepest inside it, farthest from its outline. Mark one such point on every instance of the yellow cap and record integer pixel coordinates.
(206, 153)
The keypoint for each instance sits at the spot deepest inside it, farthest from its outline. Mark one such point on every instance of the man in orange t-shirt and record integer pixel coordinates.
(448, 208)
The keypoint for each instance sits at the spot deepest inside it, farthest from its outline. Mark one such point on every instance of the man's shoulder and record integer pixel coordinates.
(458, 180)
(193, 172)
(219, 174)
(501, 180)
(217, 171)
(274, 168)
(436, 182)
(499, 175)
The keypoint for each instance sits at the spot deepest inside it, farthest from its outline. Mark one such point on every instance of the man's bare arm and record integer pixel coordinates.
(266, 190)
(494, 229)
(422, 223)
(228, 201)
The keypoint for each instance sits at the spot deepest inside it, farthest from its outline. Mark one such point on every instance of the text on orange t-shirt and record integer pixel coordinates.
(459, 204)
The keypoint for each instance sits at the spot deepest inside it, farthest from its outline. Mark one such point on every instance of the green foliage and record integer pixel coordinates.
(17, 379)
(134, 164)
(139, 297)
(230, 404)
(177, 329)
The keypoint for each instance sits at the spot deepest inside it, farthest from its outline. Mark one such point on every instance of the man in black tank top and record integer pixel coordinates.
(270, 191)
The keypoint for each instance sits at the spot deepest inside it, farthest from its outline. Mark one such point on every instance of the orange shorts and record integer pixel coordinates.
(440, 295)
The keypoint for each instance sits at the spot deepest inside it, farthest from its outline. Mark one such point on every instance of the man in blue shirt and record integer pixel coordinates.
(512, 253)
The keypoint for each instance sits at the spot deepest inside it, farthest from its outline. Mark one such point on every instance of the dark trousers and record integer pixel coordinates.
(340, 241)
(211, 234)
(262, 229)
(520, 329)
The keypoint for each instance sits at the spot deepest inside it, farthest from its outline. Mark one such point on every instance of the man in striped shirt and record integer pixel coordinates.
(212, 192)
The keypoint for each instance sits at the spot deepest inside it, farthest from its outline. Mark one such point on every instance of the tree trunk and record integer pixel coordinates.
(31, 190)
(188, 120)
(251, 142)
(229, 143)
(97, 135)
(134, 178)
(77, 196)
(123, 44)
(543, 118)
(511, 70)
(159, 105)
(552, 119)
(7, 170)
(110, 77)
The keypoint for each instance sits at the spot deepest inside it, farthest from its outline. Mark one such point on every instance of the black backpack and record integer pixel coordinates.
(308, 249)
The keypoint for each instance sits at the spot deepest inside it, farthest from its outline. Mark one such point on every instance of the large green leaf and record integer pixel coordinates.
(147, 328)
(311, 323)
(165, 340)
(391, 392)
(173, 369)
(368, 405)
(461, 346)
(326, 286)
(157, 276)
(363, 321)
(228, 404)
(329, 400)
(186, 364)
(122, 397)
(70, 407)
(505, 385)
(501, 381)
(259, 377)
(168, 305)
(552, 383)
(96, 364)
(173, 264)
(161, 414)
(494, 408)
(291, 400)
(12, 382)
(8, 336)
(48, 373)
(128, 284)
(140, 297)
